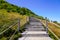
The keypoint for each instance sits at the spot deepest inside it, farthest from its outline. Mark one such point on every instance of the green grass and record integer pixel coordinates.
(3, 38)
(10, 12)
(52, 36)
(8, 19)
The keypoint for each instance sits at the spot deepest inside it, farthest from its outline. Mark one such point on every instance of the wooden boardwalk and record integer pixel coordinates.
(35, 31)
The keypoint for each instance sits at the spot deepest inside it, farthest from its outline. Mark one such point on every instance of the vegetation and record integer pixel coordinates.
(9, 14)
(54, 28)
(56, 23)
(13, 8)
(50, 34)
(7, 19)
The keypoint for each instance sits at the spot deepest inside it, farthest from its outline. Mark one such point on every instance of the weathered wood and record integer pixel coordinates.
(46, 24)
(8, 28)
(35, 31)
(51, 31)
(27, 19)
(18, 25)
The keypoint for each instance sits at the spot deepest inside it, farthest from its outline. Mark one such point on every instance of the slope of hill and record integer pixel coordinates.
(13, 8)
(9, 18)
(8, 14)
(55, 29)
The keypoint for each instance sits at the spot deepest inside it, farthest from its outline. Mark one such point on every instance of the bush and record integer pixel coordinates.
(1, 36)
(52, 36)
(8, 33)
(17, 35)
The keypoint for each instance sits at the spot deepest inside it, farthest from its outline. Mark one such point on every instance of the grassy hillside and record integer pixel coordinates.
(5, 16)
(13, 8)
(9, 14)
(55, 29)
(9, 18)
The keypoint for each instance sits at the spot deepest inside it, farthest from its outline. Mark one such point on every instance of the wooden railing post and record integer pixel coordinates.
(18, 25)
(46, 24)
(27, 19)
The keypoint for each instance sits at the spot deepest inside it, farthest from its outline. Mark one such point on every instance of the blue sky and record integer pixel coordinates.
(45, 8)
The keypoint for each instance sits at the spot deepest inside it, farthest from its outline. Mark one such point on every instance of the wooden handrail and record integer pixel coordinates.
(8, 28)
(52, 32)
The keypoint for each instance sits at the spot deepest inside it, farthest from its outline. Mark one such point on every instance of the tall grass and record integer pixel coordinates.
(9, 18)
(54, 28)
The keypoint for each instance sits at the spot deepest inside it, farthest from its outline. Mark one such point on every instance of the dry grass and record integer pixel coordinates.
(54, 28)
(10, 16)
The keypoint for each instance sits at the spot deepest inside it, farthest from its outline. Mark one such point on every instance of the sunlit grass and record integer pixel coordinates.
(53, 27)
(3, 38)
(9, 18)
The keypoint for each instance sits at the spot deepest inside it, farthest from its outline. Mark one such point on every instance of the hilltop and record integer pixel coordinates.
(13, 8)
